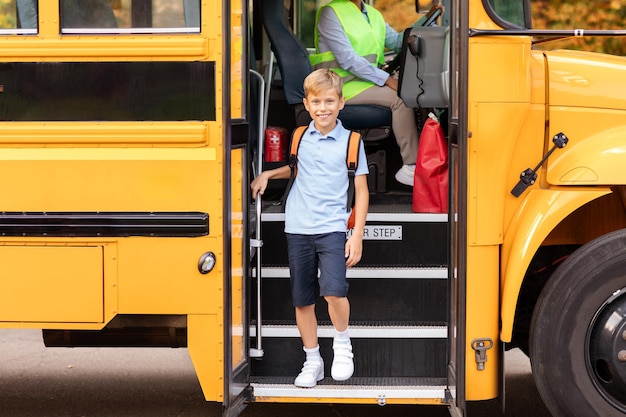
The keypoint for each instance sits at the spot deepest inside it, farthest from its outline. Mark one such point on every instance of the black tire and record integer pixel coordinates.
(577, 339)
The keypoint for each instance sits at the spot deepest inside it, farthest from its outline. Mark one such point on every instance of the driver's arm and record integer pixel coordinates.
(393, 39)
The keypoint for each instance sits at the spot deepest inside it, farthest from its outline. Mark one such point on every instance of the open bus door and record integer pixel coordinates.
(236, 318)
(457, 129)
(236, 162)
(456, 294)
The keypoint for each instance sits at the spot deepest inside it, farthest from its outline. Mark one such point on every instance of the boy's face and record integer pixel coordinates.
(324, 107)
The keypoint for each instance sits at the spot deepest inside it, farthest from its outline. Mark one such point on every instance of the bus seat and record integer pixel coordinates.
(373, 122)
(424, 70)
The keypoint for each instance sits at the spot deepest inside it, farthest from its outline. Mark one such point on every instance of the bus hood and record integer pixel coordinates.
(586, 79)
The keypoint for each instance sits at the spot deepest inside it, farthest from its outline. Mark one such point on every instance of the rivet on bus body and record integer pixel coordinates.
(206, 262)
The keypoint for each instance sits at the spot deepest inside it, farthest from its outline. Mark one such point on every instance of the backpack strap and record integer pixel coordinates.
(352, 161)
(293, 160)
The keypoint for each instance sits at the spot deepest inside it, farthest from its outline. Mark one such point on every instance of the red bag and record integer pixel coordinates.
(430, 189)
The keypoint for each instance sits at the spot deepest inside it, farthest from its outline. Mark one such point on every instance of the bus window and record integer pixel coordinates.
(18, 17)
(87, 14)
(130, 16)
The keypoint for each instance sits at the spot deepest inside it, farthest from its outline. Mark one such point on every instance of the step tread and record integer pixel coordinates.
(359, 330)
(416, 272)
(375, 388)
(275, 215)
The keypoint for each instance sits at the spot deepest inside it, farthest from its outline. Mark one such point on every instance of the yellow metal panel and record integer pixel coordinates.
(540, 212)
(499, 95)
(491, 152)
(48, 18)
(110, 179)
(528, 150)
(50, 45)
(105, 133)
(586, 79)
(482, 320)
(594, 157)
(478, 17)
(206, 347)
(51, 284)
(505, 79)
(72, 48)
(160, 276)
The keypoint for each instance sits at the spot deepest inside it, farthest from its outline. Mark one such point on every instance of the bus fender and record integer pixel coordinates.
(595, 160)
(541, 211)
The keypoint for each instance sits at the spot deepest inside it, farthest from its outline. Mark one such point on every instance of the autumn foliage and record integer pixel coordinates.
(546, 14)
(576, 14)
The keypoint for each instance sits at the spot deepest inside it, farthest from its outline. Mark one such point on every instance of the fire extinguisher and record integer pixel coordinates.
(275, 144)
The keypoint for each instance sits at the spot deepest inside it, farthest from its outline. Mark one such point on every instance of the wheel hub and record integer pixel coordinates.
(606, 347)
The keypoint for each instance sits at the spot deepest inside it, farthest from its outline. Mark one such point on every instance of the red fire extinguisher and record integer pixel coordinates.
(275, 144)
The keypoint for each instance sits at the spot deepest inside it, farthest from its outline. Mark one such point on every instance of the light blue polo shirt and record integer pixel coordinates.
(317, 200)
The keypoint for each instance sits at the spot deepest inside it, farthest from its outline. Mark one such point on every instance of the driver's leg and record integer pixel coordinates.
(402, 123)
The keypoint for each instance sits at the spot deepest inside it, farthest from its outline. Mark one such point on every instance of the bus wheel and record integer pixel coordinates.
(578, 332)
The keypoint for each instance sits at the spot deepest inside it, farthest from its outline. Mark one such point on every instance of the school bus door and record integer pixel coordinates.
(235, 137)
(456, 18)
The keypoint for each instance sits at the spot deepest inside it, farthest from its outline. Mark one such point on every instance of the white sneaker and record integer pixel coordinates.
(343, 365)
(406, 175)
(312, 371)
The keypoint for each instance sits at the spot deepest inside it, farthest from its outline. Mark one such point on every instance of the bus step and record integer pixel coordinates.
(368, 272)
(358, 331)
(377, 390)
(374, 357)
(408, 239)
(385, 299)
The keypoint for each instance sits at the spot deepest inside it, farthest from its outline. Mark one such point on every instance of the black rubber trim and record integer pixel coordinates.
(104, 224)
(107, 91)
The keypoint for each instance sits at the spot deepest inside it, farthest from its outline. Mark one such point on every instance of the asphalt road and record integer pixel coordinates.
(105, 382)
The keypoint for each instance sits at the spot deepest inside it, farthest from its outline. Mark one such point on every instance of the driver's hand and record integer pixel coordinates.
(436, 6)
(392, 83)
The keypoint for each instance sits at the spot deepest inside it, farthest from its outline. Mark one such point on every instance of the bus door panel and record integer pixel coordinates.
(455, 69)
(236, 318)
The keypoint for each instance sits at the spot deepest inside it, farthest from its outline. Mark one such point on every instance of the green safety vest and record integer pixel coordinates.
(368, 41)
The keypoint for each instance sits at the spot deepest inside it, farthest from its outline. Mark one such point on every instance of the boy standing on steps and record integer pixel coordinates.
(316, 223)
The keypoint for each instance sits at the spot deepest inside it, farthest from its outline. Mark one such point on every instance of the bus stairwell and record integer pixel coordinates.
(398, 311)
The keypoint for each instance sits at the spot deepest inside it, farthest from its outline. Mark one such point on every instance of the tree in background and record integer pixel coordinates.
(7, 14)
(576, 14)
(546, 14)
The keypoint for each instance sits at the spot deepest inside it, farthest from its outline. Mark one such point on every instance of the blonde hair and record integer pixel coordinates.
(322, 80)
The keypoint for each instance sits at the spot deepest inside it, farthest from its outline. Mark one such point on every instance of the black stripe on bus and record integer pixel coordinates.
(107, 91)
(104, 224)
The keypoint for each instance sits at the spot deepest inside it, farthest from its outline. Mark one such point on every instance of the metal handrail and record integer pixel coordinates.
(257, 242)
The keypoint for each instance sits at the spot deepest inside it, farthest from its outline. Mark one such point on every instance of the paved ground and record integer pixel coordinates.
(98, 382)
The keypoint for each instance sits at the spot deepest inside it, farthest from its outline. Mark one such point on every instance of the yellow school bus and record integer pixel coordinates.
(131, 130)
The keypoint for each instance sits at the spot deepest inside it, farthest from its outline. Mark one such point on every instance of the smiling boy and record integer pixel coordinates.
(316, 222)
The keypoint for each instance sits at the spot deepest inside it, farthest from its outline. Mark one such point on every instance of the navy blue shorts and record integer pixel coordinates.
(307, 254)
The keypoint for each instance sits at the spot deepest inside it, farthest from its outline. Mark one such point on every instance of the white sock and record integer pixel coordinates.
(313, 354)
(342, 337)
